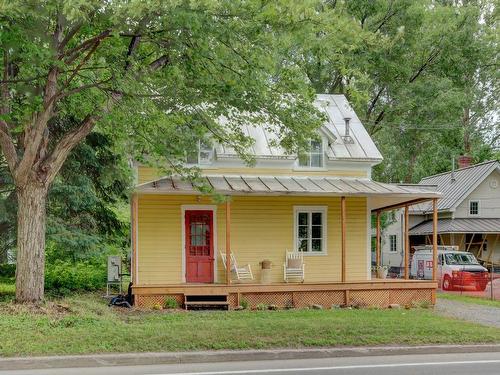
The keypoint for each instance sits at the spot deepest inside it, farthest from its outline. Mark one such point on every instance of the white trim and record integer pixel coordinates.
(201, 207)
(324, 239)
(368, 239)
(478, 207)
(136, 242)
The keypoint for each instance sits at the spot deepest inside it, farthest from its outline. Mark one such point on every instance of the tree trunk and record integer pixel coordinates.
(31, 221)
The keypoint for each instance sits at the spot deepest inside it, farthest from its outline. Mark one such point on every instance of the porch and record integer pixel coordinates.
(261, 219)
(377, 292)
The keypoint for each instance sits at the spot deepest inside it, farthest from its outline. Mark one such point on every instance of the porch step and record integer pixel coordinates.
(204, 301)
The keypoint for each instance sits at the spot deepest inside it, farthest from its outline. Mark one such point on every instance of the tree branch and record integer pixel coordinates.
(71, 33)
(7, 146)
(82, 88)
(54, 162)
(73, 53)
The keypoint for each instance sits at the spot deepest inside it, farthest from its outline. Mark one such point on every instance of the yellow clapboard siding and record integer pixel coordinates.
(261, 228)
(146, 174)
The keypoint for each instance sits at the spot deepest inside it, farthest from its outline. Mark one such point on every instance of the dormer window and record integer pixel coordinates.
(204, 154)
(314, 157)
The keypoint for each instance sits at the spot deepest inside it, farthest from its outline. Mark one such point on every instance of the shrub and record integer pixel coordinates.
(157, 306)
(171, 303)
(7, 270)
(62, 277)
(244, 304)
(262, 306)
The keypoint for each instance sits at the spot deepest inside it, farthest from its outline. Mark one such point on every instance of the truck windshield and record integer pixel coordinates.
(456, 258)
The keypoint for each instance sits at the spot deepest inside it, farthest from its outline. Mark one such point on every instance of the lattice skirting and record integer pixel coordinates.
(150, 301)
(302, 299)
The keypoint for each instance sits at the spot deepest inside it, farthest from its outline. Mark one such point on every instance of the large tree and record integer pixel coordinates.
(422, 75)
(86, 205)
(156, 75)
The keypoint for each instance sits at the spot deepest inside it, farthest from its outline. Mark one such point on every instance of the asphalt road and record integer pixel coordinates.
(442, 364)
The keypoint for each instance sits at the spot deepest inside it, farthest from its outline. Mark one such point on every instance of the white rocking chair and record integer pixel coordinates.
(241, 273)
(293, 268)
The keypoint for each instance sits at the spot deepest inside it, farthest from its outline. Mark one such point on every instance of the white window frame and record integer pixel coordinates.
(309, 154)
(209, 149)
(395, 237)
(324, 219)
(478, 207)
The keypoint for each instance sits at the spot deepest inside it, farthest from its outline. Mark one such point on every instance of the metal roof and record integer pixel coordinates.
(283, 185)
(466, 225)
(455, 191)
(360, 147)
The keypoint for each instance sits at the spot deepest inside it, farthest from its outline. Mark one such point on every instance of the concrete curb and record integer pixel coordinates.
(130, 359)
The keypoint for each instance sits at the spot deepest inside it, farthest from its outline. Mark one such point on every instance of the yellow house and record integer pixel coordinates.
(291, 232)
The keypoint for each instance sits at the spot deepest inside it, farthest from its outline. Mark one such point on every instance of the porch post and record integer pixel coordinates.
(228, 241)
(434, 239)
(343, 236)
(133, 239)
(407, 244)
(377, 245)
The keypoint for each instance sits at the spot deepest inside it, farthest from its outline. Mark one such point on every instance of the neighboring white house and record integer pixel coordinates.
(468, 212)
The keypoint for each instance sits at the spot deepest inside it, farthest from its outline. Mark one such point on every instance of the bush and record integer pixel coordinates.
(7, 270)
(244, 304)
(171, 303)
(62, 277)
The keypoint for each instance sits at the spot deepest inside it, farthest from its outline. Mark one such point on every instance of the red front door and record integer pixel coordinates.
(199, 246)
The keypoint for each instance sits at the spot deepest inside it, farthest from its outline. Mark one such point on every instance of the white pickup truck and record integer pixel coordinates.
(457, 270)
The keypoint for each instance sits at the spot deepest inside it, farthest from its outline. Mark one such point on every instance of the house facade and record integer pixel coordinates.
(318, 205)
(468, 215)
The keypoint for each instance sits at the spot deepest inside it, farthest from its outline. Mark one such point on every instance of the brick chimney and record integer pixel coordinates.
(464, 161)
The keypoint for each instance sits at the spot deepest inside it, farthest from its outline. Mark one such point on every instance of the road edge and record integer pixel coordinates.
(135, 359)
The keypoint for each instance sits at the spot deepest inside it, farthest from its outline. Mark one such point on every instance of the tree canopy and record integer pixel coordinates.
(157, 76)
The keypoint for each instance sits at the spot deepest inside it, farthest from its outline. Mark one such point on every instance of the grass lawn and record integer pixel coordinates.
(84, 324)
(470, 299)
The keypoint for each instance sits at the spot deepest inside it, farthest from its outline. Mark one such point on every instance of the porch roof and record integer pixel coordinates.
(459, 225)
(383, 194)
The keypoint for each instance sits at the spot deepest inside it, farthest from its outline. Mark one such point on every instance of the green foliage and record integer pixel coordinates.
(422, 76)
(261, 306)
(62, 277)
(7, 270)
(171, 303)
(87, 207)
(244, 303)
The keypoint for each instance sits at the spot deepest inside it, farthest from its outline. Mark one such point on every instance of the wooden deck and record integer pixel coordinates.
(375, 292)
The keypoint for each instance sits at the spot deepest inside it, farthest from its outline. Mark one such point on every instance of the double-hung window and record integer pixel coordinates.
(474, 208)
(313, 158)
(393, 245)
(203, 154)
(310, 229)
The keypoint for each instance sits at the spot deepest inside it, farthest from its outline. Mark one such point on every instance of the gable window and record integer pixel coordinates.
(310, 229)
(202, 155)
(393, 244)
(314, 157)
(473, 207)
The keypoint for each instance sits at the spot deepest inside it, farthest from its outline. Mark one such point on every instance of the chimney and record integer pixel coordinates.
(464, 161)
(347, 136)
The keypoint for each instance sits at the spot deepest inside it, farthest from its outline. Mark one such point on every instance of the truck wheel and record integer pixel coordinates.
(480, 287)
(446, 283)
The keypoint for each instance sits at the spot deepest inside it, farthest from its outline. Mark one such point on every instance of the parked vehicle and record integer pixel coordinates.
(457, 270)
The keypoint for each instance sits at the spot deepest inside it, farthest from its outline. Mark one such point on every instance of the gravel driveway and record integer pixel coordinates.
(486, 315)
